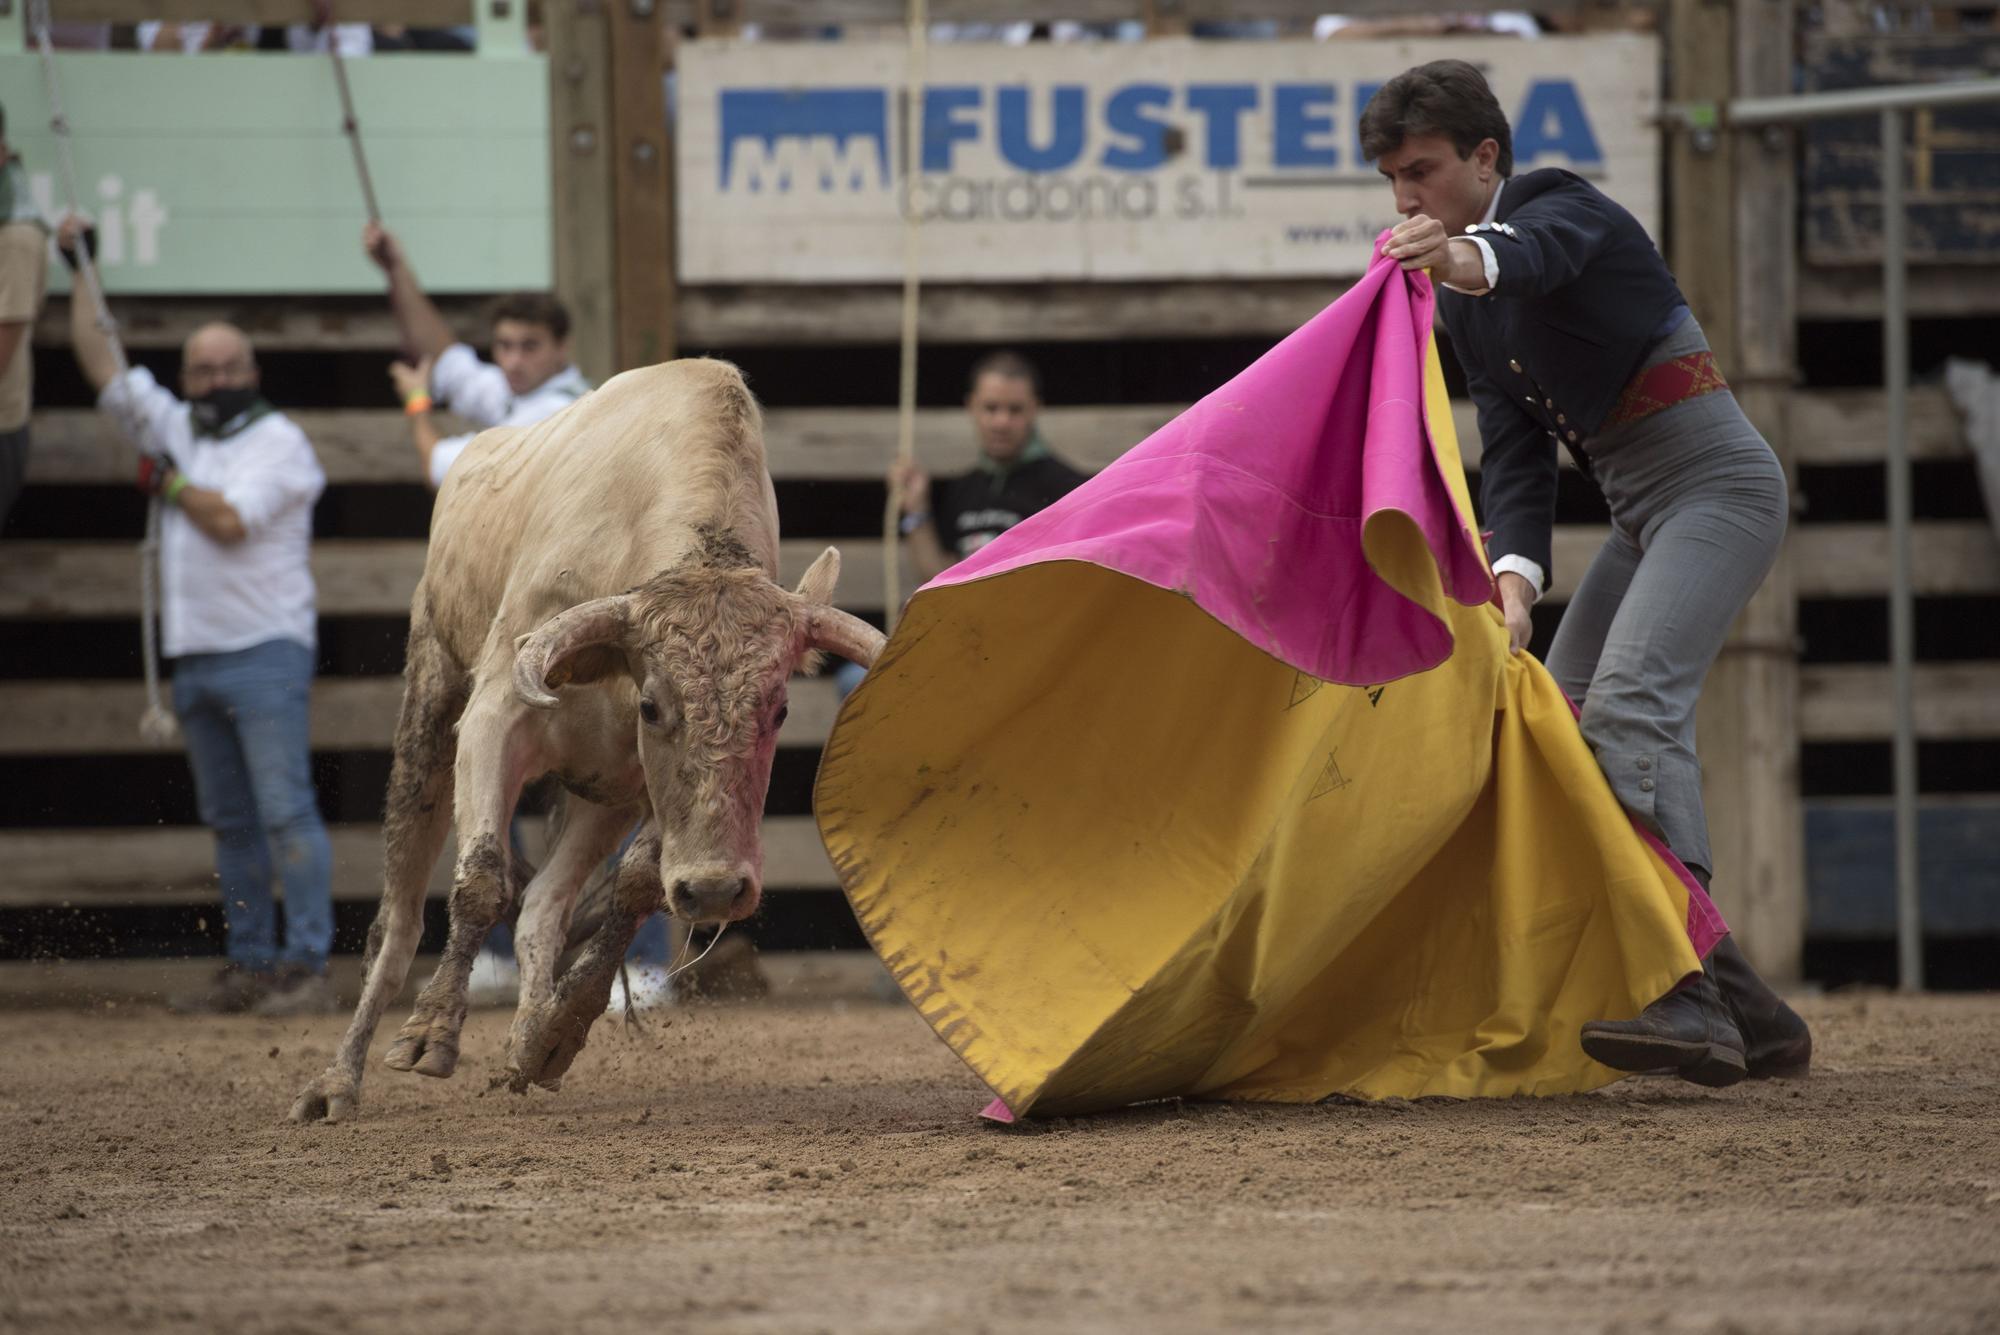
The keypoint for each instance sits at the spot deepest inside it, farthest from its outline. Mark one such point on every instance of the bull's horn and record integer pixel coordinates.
(541, 661)
(843, 633)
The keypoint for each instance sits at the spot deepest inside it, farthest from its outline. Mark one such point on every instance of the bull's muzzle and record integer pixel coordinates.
(712, 899)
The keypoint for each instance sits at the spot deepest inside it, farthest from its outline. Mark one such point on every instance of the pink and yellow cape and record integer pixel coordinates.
(1216, 778)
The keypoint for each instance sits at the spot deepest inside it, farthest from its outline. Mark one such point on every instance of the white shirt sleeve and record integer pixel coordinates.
(1492, 267)
(146, 411)
(444, 454)
(475, 390)
(279, 474)
(1526, 569)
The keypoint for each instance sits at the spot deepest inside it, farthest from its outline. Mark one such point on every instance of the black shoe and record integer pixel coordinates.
(1777, 1045)
(297, 990)
(231, 990)
(1689, 1031)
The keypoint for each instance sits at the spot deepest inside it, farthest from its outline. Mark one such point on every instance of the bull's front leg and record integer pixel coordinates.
(497, 750)
(416, 819)
(553, 1037)
(588, 836)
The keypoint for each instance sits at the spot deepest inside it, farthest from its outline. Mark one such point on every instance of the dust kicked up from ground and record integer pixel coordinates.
(819, 1167)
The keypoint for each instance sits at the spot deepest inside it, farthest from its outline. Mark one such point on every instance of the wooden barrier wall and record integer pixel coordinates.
(53, 580)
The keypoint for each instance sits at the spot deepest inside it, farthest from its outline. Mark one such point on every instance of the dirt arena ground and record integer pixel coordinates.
(804, 1167)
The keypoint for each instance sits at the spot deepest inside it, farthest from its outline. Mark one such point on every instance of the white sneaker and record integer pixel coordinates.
(496, 980)
(650, 989)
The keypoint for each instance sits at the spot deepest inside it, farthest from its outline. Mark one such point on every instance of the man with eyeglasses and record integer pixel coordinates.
(238, 617)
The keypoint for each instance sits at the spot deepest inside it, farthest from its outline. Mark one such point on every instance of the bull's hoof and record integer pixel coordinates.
(332, 1097)
(547, 1047)
(425, 1044)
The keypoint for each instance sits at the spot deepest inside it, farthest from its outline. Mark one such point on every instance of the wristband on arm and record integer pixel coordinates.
(417, 404)
(175, 486)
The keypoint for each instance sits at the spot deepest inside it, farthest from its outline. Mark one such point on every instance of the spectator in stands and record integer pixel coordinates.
(947, 520)
(237, 617)
(530, 378)
(24, 265)
(350, 39)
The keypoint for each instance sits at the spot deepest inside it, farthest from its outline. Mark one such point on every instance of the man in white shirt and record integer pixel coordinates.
(530, 378)
(238, 618)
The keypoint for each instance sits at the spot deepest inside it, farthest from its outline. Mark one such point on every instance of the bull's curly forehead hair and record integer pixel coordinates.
(1446, 97)
(717, 633)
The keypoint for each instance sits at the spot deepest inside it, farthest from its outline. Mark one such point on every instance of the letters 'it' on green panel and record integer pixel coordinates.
(230, 174)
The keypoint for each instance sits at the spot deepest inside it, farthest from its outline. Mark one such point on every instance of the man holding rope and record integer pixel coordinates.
(1572, 331)
(948, 519)
(238, 616)
(530, 378)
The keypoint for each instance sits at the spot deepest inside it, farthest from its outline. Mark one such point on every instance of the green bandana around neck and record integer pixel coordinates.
(999, 471)
(257, 407)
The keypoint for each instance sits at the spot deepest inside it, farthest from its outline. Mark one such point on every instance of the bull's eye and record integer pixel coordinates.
(649, 711)
(784, 712)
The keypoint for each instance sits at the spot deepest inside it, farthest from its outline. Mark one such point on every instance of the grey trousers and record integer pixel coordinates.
(1698, 508)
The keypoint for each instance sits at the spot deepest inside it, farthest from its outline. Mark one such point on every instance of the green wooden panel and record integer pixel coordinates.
(230, 174)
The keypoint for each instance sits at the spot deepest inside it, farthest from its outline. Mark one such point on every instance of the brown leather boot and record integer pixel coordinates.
(1777, 1045)
(1689, 1031)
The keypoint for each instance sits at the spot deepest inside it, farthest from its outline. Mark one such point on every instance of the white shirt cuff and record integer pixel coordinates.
(1526, 569)
(444, 454)
(1492, 267)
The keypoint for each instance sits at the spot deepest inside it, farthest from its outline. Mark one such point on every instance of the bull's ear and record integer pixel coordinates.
(581, 644)
(816, 585)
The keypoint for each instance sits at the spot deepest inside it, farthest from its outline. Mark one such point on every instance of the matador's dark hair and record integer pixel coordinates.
(1446, 97)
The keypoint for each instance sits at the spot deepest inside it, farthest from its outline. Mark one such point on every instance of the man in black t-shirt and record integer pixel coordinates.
(947, 520)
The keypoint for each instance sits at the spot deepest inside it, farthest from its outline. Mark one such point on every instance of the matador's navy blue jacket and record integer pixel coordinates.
(1582, 295)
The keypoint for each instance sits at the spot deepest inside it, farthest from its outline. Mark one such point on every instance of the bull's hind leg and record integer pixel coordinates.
(587, 838)
(547, 1047)
(415, 819)
(496, 752)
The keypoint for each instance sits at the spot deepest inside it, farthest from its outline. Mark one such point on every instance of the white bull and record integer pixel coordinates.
(599, 603)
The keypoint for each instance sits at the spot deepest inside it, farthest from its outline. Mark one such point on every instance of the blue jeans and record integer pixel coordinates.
(244, 716)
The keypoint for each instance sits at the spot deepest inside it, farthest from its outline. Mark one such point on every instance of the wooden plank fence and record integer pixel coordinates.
(61, 579)
(375, 577)
(1837, 702)
(370, 445)
(176, 864)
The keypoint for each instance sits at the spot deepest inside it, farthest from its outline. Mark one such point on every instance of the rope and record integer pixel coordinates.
(906, 395)
(156, 724)
(350, 126)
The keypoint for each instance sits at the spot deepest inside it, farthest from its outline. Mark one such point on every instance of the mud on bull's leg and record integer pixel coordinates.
(416, 819)
(588, 836)
(487, 886)
(556, 1033)
(499, 747)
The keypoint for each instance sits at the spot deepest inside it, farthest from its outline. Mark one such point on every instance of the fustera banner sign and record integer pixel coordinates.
(1162, 159)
